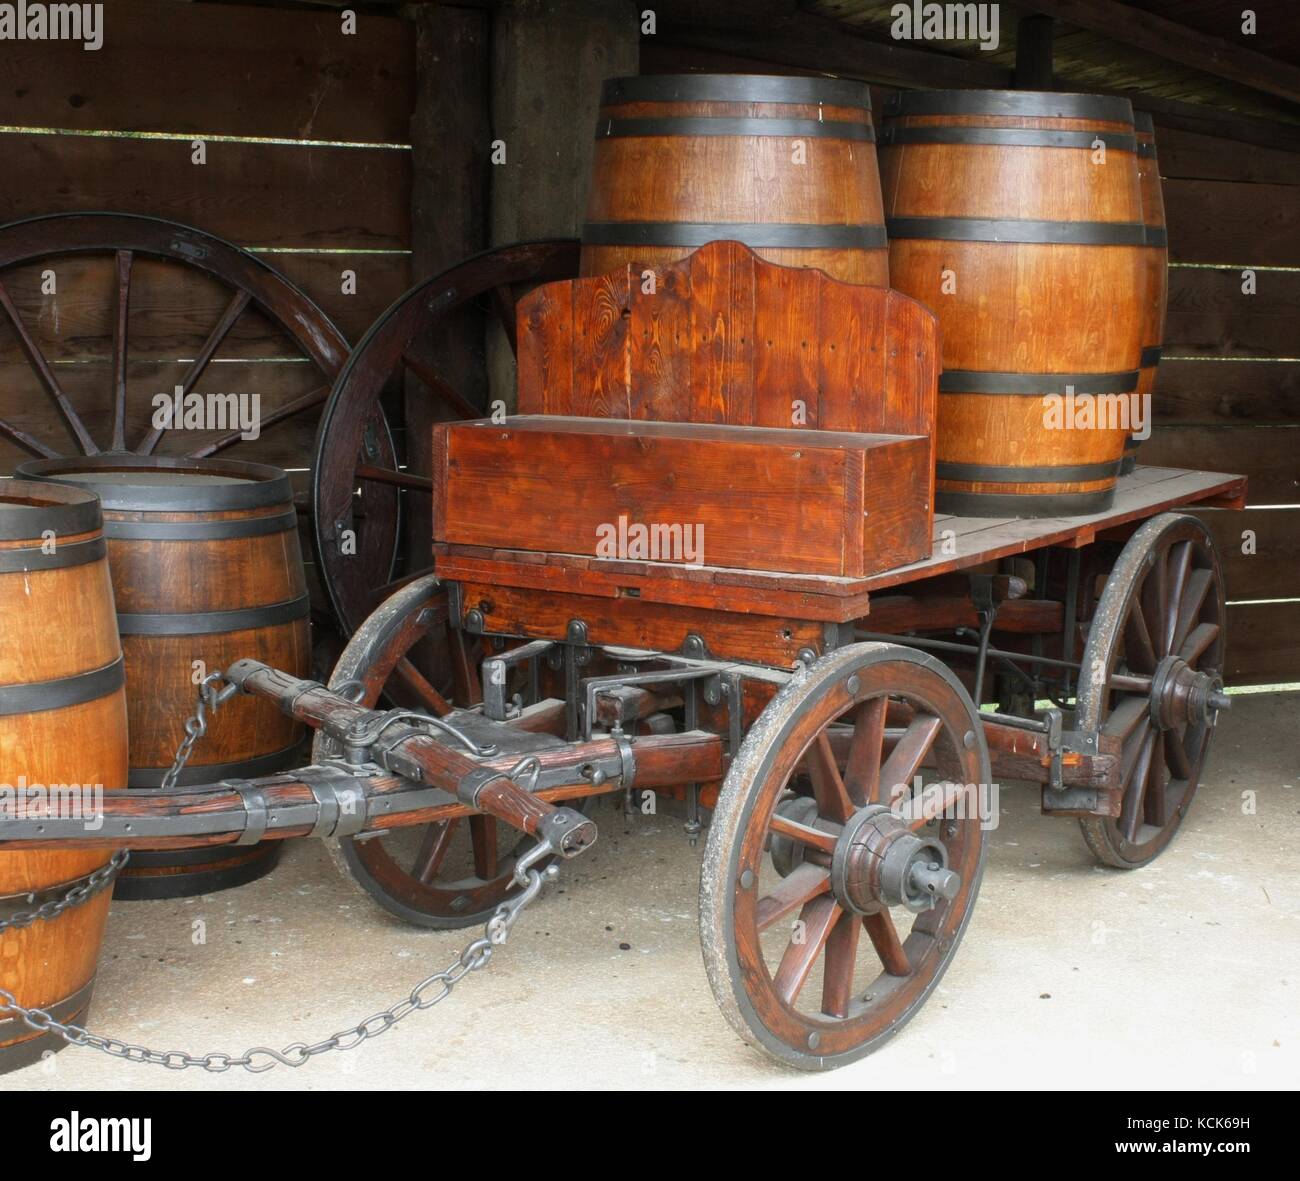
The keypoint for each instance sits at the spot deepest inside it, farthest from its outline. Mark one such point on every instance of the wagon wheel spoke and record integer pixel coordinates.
(833, 800)
(433, 850)
(483, 833)
(1139, 651)
(884, 938)
(307, 401)
(936, 800)
(37, 358)
(838, 967)
(908, 755)
(814, 838)
(1198, 641)
(817, 918)
(1155, 604)
(1155, 807)
(1136, 786)
(503, 303)
(25, 441)
(415, 680)
(441, 387)
(394, 478)
(804, 883)
(862, 770)
(122, 310)
(1180, 564)
(1125, 716)
(234, 309)
(1176, 758)
(1189, 608)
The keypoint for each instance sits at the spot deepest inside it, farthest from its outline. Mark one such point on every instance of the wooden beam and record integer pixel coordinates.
(1176, 42)
(1204, 119)
(1034, 53)
(785, 35)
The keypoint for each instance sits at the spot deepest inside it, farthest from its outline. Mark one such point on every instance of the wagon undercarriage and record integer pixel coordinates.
(851, 790)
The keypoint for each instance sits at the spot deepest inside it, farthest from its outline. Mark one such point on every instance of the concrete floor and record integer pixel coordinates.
(1184, 974)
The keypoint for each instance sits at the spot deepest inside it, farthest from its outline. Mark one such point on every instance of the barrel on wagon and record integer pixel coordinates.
(1017, 218)
(785, 165)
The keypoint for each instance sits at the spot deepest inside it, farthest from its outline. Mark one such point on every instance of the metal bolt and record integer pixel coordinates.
(968, 740)
(474, 620)
(814, 1040)
(853, 684)
(747, 879)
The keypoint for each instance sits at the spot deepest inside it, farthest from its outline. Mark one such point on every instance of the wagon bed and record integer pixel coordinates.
(959, 543)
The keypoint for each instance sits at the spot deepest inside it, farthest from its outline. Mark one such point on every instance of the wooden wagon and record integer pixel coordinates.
(703, 561)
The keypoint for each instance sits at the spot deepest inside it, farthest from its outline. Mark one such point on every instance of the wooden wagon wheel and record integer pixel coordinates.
(355, 494)
(254, 287)
(805, 852)
(449, 874)
(1152, 675)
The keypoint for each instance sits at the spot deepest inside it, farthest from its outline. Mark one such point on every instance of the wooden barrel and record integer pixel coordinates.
(207, 568)
(785, 165)
(63, 731)
(1157, 268)
(1028, 244)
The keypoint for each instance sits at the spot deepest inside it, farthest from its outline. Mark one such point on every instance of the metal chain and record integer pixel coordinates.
(261, 1058)
(93, 884)
(196, 725)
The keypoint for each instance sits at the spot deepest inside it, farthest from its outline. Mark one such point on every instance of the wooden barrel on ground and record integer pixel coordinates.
(1016, 217)
(207, 569)
(1157, 269)
(62, 738)
(785, 165)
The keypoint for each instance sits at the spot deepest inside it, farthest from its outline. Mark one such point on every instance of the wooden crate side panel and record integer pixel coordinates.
(758, 504)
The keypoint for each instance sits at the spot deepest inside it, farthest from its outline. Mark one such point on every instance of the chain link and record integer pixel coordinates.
(196, 725)
(78, 894)
(429, 992)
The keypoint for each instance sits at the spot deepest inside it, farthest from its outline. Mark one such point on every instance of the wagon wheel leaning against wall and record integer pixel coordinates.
(108, 311)
(255, 306)
(356, 497)
(1152, 676)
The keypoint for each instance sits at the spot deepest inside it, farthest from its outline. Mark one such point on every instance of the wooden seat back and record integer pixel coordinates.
(725, 337)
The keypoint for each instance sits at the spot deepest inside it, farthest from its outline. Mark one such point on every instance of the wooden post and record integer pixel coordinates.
(450, 138)
(1034, 53)
(549, 58)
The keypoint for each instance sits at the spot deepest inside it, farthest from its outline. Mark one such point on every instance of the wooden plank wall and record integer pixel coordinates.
(1228, 393)
(331, 192)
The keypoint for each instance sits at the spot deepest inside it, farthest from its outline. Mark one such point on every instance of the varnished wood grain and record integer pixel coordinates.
(811, 502)
(736, 178)
(728, 337)
(57, 623)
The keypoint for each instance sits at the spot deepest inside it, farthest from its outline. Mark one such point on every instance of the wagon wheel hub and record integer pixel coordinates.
(880, 862)
(1181, 695)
